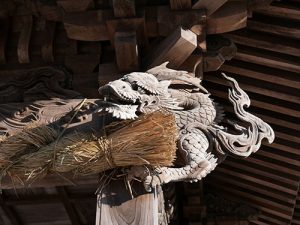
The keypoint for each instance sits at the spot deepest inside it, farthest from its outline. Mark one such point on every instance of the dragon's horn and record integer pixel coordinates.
(162, 72)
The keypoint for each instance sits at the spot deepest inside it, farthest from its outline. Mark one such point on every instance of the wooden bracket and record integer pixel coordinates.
(48, 48)
(231, 16)
(126, 48)
(4, 25)
(49, 11)
(169, 20)
(128, 24)
(87, 26)
(180, 4)
(124, 8)
(24, 40)
(175, 48)
(209, 5)
(219, 49)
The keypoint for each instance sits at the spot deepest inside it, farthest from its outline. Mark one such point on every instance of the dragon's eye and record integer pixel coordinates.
(123, 87)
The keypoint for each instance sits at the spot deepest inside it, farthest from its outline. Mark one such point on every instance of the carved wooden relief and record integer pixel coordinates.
(35, 84)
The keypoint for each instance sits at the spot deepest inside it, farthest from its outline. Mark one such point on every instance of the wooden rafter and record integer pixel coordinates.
(9, 212)
(62, 192)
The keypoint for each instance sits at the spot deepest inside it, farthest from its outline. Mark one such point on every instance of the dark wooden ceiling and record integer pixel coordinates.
(267, 66)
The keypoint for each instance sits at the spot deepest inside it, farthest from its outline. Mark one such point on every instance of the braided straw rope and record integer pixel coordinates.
(151, 139)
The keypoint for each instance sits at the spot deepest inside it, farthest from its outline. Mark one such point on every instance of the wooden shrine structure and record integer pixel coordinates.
(67, 49)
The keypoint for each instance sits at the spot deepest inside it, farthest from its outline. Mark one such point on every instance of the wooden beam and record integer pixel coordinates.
(245, 70)
(73, 216)
(9, 212)
(4, 25)
(254, 88)
(75, 6)
(169, 20)
(255, 185)
(108, 72)
(83, 63)
(180, 4)
(272, 60)
(281, 184)
(231, 16)
(49, 35)
(72, 48)
(151, 21)
(49, 11)
(100, 25)
(210, 6)
(50, 198)
(115, 206)
(51, 180)
(126, 48)
(192, 63)
(86, 84)
(7, 8)
(261, 104)
(136, 24)
(286, 12)
(200, 30)
(176, 48)
(266, 41)
(252, 199)
(257, 4)
(280, 29)
(87, 26)
(24, 40)
(124, 8)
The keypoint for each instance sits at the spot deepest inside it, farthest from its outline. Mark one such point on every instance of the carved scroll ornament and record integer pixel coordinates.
(41, 83)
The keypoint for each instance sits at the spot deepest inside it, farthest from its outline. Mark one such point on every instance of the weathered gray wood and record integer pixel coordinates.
(116, 207)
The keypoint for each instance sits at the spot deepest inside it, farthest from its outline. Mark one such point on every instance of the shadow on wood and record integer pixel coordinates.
(115, 205)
